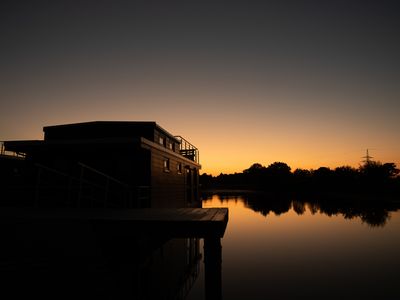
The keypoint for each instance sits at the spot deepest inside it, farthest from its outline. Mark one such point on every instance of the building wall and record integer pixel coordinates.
(167, 183)
(170, 183)
(165, 141)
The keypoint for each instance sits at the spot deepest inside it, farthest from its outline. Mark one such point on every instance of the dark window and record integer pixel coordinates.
(179, 168)
(166, 164)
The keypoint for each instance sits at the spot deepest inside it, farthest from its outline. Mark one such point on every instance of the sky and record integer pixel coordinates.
(308, 83)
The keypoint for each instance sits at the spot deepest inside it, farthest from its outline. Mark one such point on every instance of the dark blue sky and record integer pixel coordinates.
(284, 68)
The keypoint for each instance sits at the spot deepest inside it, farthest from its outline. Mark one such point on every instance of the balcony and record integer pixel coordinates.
(188, 150)
(9, 153)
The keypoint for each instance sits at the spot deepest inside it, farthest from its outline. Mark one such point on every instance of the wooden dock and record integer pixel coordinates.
(179, 222)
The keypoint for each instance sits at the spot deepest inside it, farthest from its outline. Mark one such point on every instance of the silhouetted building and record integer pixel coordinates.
(108, 164)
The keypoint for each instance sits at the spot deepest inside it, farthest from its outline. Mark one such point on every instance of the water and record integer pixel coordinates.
(307, 251)
(273, 248)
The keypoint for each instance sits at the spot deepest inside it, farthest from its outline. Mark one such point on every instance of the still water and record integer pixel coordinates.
(305, 251)
(272, 249)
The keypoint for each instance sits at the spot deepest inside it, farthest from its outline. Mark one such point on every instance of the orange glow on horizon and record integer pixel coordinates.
(231, 137)
(227, 147)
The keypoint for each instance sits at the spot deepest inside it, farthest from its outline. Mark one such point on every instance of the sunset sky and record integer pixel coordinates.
(309, 83)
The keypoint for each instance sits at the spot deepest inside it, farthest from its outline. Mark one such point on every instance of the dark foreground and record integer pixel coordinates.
(129, 254)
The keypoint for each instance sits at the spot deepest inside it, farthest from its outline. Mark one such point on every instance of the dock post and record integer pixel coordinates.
(212, 267)
(37, 188)
(80, 188)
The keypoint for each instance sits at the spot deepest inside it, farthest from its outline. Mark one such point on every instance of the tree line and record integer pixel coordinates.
(370, 177)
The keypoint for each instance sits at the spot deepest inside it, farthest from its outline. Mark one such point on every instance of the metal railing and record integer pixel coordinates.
(92, 188)
(188, 150)
(104, 184)
(5, 152)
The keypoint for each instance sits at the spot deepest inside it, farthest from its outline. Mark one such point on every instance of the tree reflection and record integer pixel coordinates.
(299, 207)
(376, 218)
(278, 205)
(371, 213)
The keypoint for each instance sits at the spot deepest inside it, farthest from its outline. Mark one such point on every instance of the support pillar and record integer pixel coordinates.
(212, 268)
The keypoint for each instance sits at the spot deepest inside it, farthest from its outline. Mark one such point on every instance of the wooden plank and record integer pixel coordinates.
(221, 214)
(210, 214)
(188, 222)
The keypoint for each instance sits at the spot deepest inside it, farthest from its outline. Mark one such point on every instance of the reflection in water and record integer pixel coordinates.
(280, 249)
(372, 213)
(79, 261)
(272, 248)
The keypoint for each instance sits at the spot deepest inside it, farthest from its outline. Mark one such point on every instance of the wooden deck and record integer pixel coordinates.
(179, 222)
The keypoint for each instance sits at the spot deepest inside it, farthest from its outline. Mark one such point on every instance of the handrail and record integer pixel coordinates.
(5, 152)
(187, 149)
(68, 176)
(103, 174)
(54, 170)
(84, 182)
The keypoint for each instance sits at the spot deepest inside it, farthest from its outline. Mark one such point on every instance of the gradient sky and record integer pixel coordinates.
(309, 83)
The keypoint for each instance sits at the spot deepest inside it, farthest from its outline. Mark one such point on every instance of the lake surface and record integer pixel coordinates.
(300, 250)
(273, 248)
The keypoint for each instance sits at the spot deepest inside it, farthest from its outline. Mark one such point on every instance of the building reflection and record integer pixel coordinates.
(76, 261)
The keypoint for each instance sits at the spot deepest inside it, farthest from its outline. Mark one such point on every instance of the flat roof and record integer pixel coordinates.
(110, 125)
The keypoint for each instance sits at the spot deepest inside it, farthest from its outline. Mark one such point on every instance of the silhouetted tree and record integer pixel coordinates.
(206, 180)
(342, 181)
(279, 169)
(323, 172)
(346, 171)
(345, 179)
(390, 170)
(255, 169)
(322, 179)
(375, 169)
(302, 173)
(278, 176)
(254, 176)
(301, 180)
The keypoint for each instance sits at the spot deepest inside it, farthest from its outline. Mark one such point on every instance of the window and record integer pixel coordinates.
(166, 164)
(170, 145)
(161, 140)
(179, 168)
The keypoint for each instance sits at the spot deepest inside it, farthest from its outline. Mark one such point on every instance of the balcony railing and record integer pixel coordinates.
(188, 150)
(5, 152)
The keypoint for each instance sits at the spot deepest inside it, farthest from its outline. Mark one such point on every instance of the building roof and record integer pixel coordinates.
(105, 129)
(106, 134)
